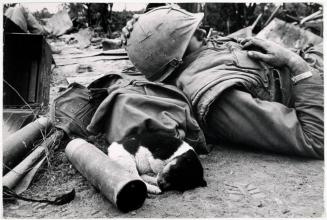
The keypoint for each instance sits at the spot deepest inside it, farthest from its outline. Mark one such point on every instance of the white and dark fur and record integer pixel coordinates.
(174, 162)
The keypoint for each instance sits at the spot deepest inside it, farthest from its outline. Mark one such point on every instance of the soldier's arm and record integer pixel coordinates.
(271, 125)
(238, 117)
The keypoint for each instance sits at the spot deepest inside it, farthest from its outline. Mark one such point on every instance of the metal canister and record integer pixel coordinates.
(118, 185)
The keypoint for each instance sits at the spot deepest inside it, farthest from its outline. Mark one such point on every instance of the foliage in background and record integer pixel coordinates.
(230, 17)
(224, 17)
(98, 15)
(43, 14)
(119, 19)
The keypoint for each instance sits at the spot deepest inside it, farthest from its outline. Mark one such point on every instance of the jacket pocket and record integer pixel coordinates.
(244, 62)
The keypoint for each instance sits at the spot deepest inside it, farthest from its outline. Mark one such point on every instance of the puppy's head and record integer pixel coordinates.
(182, 173)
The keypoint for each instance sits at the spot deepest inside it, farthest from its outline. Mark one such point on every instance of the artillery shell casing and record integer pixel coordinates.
(122, 188)
(19, 144)
(15, 176)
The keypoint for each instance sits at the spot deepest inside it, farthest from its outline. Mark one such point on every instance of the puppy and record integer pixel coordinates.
(174, 163)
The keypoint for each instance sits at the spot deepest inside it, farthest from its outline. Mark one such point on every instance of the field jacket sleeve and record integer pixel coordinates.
(239, 117)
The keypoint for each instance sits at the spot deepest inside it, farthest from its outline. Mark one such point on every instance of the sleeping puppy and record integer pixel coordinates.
(175, 164)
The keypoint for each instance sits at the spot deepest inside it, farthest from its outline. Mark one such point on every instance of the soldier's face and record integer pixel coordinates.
(196, 41)
(193, 45)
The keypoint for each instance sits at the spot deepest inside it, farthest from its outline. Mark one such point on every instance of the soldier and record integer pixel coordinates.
(248, 92)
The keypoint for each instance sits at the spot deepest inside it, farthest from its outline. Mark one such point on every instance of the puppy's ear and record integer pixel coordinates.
(203, 183)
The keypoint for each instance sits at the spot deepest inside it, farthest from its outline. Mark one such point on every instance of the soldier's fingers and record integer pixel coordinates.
(247, 44)
(244, 40)
(259, 56)
(129, 25)
(136, 17)
(252, 41)
(125, 32)
(260, 43)
(122, 42)
(123, 39)
(239, 40)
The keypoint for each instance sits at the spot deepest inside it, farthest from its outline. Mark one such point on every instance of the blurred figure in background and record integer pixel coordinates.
(22, 17)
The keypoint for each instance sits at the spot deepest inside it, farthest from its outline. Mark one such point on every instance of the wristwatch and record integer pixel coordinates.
(301, 76)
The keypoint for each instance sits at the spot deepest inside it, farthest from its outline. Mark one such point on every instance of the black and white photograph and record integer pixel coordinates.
(184, 109)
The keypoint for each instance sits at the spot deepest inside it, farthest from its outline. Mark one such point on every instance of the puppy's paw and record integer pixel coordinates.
(149, 179)
(153, 189)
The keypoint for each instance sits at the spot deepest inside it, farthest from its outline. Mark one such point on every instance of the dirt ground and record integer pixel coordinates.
(241, 183)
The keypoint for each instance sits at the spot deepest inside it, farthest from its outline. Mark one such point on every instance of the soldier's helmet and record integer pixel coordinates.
(159, 40)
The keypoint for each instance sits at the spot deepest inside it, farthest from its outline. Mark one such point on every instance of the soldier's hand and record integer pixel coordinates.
(267, 51)
(128, 28)
(274, 54)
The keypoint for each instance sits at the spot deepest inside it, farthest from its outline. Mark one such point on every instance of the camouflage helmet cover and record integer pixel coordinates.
(159, 40)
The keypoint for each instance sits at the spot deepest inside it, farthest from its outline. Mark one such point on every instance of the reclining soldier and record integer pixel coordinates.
(249, 92)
